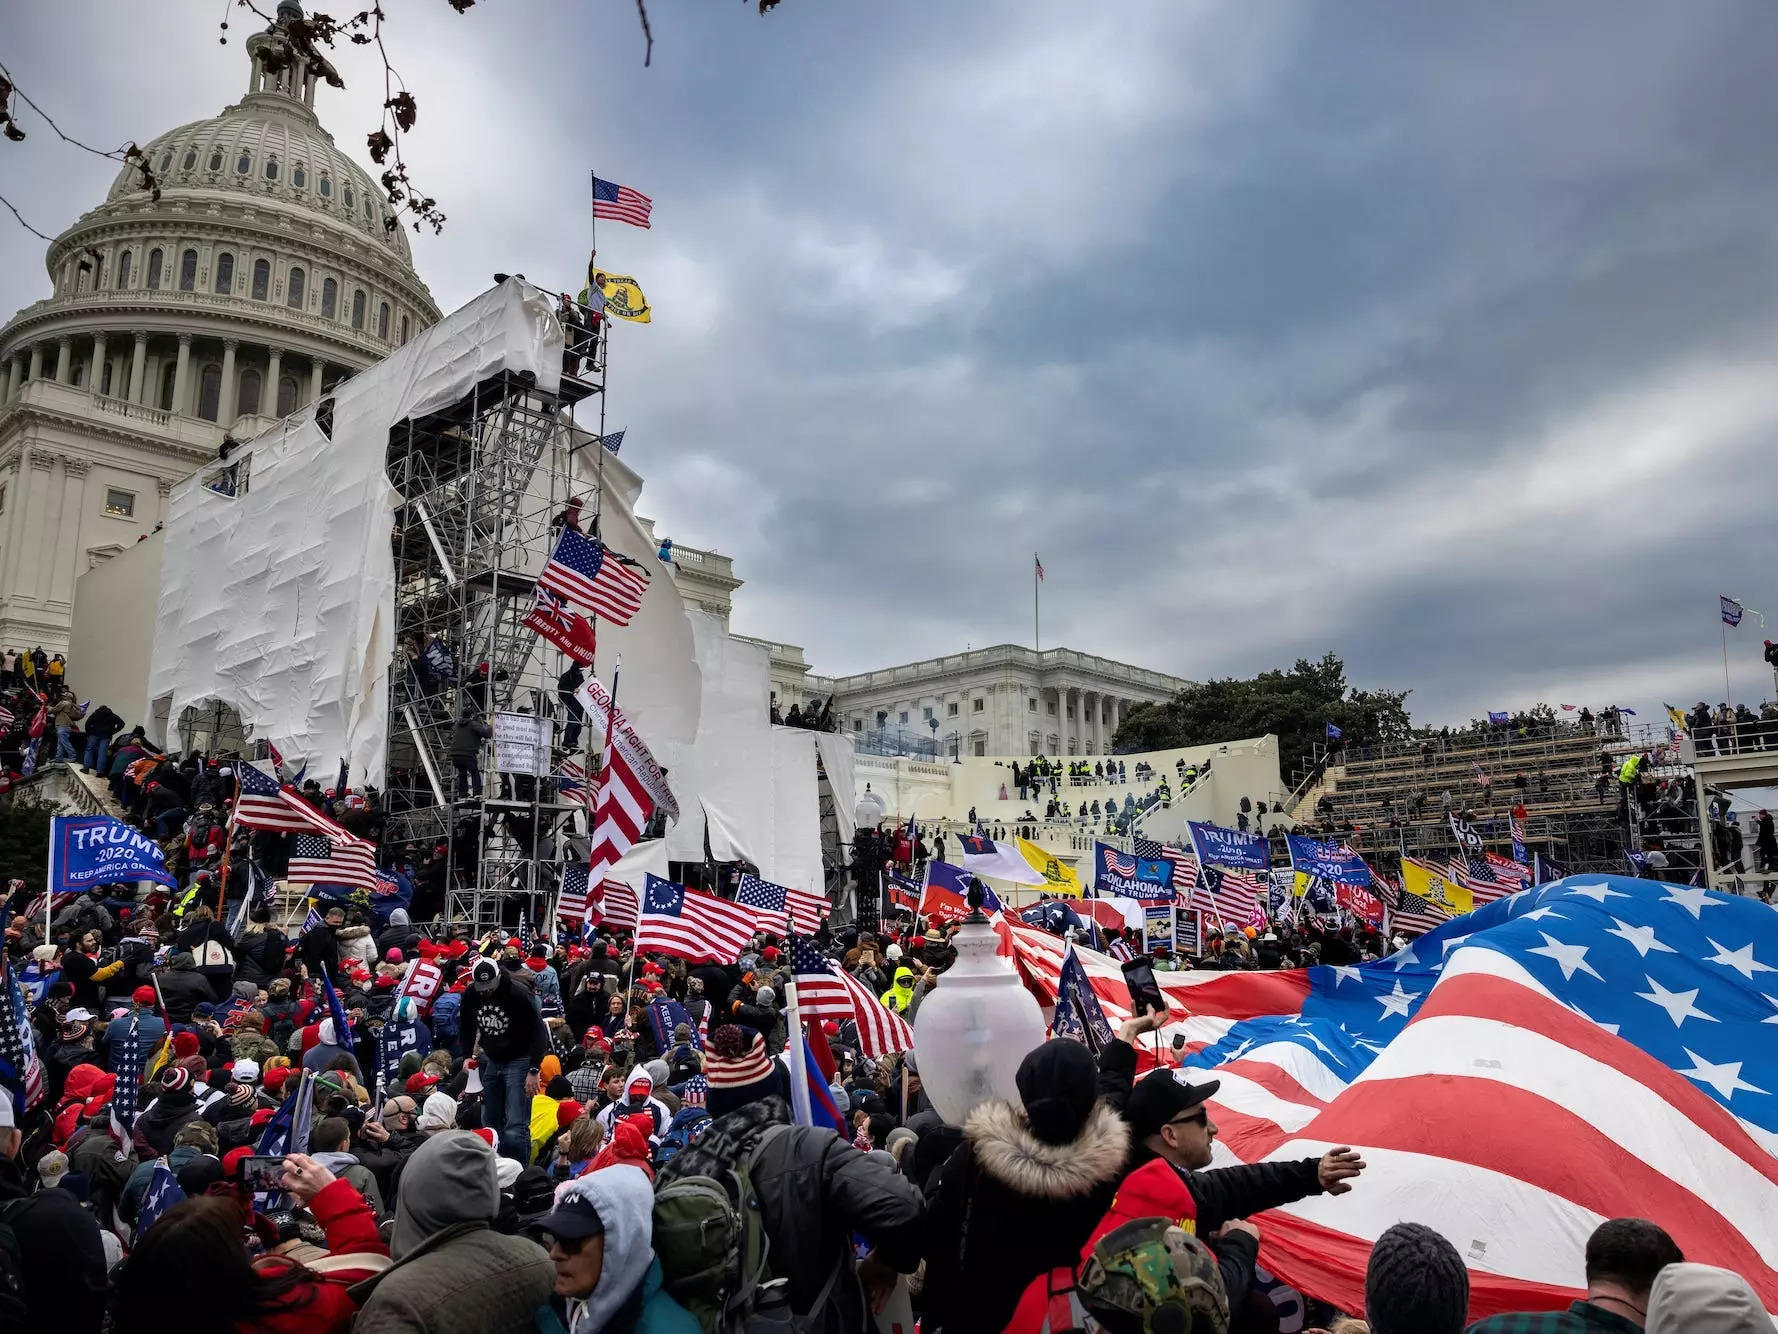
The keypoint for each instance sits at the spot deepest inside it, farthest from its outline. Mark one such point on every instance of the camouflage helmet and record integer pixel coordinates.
(1150, 1277)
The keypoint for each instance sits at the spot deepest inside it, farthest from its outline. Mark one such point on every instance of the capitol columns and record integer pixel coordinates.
(225, 405)
(315, 380)
(139, 368)
(268, 395)
(182, 376)
(64, 361)
(73, 507)
(97, 375)
(36, 372)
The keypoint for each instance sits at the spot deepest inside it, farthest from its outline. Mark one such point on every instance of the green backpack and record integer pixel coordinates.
(716, 1258)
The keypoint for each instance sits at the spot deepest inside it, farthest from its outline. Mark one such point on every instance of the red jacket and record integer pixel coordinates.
(355, 1252)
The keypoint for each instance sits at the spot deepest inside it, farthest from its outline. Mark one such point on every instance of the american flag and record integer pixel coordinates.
(778, 908)
(615, 906)
(826, 991)
(1231, 896)
(697, 927)
(1409, 911)
(1618, 1024)
(614, 441)
(264, 803)
(333, 859)
(590, 574)
(620, 203)
(633, 785)
(571, 782)
(1488, 877)
(21, 1071)
(694, 1092)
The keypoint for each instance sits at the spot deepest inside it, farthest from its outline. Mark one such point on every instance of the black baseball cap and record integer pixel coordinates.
(1158, 1097)
(571, 1219)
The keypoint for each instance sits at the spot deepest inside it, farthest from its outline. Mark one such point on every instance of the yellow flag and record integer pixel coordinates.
(1057, 878)
(1677, 718)
(1300, 888)
(1435, 887)
(624, 299)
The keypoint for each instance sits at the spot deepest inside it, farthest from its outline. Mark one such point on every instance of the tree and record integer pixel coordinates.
(1295, 705)
(24, 839)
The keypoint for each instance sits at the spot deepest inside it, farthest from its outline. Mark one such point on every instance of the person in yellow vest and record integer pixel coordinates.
(901, 995)
(1627, 774)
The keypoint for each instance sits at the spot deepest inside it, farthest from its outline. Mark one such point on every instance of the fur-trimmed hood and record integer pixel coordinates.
(1007, 1151)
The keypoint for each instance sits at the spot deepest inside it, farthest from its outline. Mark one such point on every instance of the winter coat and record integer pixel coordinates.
(628, 1298)
(505, 1022)
(354, 1252)
(214, 949)
(1009, 1207)
(453, 1274)
(815, 1190)
(1702, 1299)
(163, 1119)
(60, 1256)
(319, 949)
(259, 954)
(96, 1153)
(398, 935)
(184, 989)
(356, 943)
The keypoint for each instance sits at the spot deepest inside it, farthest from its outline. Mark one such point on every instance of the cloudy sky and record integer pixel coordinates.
(1443, 336)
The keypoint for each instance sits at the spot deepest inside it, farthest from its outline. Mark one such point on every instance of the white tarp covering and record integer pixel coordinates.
(839, 758)
(278, 602)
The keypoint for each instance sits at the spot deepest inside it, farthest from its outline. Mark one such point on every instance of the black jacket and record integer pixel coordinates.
(319, 948)
(815, 1191)
(183, 989)
(259, 954)
(1009, 1207)
(60, 1254)
(505, 1022)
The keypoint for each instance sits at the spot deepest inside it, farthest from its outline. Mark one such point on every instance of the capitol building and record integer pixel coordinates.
(269, 269)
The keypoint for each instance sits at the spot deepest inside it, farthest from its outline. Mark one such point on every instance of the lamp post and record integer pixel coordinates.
(974, 1029)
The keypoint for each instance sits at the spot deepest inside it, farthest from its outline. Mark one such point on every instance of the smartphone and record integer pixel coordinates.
(261, 1172)
(1145, 992)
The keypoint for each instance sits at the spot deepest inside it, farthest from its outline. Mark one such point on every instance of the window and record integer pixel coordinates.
(358, 310)
(271, 167)
(216, 160)
(326, 186)
(244, 163)
(262, 279)
(926, 713)
(383, 321)
(286, 395)
(975, 706)
(168, 372)
(123, 268)
(1071, 711)
(154, 270)
(166, 163)
(188, 271)
(299, 176)
(98, 273)
(904, 716)
(857, 723)
(190, 160)
(120, 504)
(210, 392)
(1033, 742)
(296, 289)
(950, 710)
(1033, 703)
(249, 401)
(347, 196)
(330, 297)
(981, 748)
(225, 273)
(404, 328)
(1051, 706)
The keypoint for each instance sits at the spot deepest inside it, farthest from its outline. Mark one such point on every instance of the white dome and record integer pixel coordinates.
(289, 160)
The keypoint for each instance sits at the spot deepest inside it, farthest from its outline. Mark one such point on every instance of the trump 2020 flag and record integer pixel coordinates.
(90, 850)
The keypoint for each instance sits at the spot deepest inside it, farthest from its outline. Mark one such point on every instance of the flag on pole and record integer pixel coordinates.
(1731, 610)
(590, 574)
(620, 203)
(1078, 1014)
(614, 441)
(162, 1194)
(823, 1111)
(553, 619)
(342, 1024)
(697, 927)
(1039, 561)
(780, 909)
(1333, 733)
(633, 787)
(333, 859)
(21, 1070)
(265, 803)
(825, 991)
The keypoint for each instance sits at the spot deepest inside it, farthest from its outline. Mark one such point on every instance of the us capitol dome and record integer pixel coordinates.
(266, 273)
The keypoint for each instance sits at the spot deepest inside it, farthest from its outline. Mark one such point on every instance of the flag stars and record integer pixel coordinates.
(1571, 959)
(1538, 914)
(1406, 957)
(1741, 960)
(1642, 937)
(1677, 1004)
(1598, 893)
(1398, 1001)
(1345, 972)
(1725, 1078)
(1693, 898)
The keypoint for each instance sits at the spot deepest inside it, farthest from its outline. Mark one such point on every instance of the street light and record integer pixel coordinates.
(974, 1029)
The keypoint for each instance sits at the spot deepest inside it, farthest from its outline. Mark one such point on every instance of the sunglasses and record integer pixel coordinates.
(1196, 1118)
(569, 1245)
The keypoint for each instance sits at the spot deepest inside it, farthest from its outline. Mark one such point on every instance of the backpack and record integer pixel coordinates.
(686, 1126)
(716, 1258)
(12, 1267)
(446, 1011)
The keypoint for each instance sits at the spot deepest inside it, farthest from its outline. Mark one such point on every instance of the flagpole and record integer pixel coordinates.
(1036, 583)
(1727, 698)
(49, 882)
(802, 1113)
(228, 849)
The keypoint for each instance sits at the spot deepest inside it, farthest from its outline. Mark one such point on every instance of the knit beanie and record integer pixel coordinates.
(1415, 1283)
(737, 1070)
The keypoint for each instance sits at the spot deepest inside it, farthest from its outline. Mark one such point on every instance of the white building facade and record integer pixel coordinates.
(269, 269)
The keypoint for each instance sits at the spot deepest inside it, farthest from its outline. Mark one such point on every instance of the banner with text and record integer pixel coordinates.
(1148, 879)
(90, 850)
(1331, 861)
(1229, 847)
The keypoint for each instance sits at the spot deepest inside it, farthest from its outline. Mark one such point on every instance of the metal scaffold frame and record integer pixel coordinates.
(484, 486)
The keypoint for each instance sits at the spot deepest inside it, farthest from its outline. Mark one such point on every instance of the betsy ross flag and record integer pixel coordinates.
(590, 574)
(1615, 1025)
(333, 859)
(620, 203)
(562, 626)
(825, 991)
(778, 908)
(699, 928)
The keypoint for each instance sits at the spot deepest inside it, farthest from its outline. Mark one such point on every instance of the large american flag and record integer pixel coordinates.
(590, 574)
(824, 990)
(632, 788)
(1598, 1047)
(333, 859)
(1233, 897)
(778, 908)
(21, 1070)
(265, 803)
(697, 927)
(614, 906)
(620, 203)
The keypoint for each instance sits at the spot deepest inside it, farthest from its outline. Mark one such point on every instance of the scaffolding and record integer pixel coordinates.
(486, 486)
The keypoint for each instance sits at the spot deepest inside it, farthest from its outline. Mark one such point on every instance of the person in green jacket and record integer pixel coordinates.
(900, 996)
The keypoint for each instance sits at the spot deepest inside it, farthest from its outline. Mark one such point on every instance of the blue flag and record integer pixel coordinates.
(1545, 869)
(957, 880)
(162, 1194)
(823, 1110)
(664, 1015)
(1218, 846)
(342, 1026)
(1149, 879)
(1078, 1014)
(1499, 717)
(86, 851)
(1638, 862)
(1331, 861)
(1333, 733)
